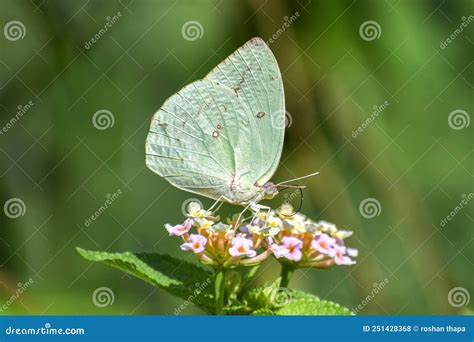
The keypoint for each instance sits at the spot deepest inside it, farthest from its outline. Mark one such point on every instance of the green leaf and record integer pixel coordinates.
(270, 299)
(180, 278)
(234, 309)
(297, 294)
(312, 306)
(263, 312)
(261, 297)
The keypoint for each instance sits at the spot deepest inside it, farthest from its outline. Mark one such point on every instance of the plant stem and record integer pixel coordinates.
(286, 274)
(220, 286)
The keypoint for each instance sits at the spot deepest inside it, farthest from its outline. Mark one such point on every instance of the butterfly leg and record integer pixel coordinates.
(237, 223)
(256, 208)
(218, 203)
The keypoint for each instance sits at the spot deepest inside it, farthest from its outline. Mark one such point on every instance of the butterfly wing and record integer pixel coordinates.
(253, 75)
(222, 135)
(200, 138)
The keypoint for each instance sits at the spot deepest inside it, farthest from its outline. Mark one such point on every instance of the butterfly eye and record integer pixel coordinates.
(270, 190)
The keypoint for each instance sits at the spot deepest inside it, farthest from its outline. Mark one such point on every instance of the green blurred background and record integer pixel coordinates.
(411, 159)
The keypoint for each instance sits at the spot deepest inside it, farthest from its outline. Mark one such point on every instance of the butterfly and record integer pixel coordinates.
(222, 136)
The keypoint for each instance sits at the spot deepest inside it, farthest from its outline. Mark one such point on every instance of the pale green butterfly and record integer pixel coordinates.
(222, 136)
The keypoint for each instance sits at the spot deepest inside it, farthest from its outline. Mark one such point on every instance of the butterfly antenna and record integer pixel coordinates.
(301, 201)
(295, 179)
(294, 186)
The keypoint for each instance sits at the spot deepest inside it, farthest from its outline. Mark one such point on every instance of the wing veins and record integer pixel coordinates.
(205, 145)
(179, 129)
(205, 113)
(191, 171)
(184, 149)
(177, 117)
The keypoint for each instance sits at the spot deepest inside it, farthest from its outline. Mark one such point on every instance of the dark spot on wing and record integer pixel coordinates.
(257, 41)
(203, 107)
(219, 126)
(260, 115)
(237, 87)
(215, 134)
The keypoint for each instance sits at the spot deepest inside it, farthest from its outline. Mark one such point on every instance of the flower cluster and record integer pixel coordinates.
(302, 242)
(217, 243)
(290, 237)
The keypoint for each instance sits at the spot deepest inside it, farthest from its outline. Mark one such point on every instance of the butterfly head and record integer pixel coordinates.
(269, 190)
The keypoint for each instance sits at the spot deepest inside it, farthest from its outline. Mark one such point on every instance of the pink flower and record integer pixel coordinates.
(325, 244)
(179, 229)
(196, 243)
(340, 256)
(242, 246)
(293, 245)
(279, 251)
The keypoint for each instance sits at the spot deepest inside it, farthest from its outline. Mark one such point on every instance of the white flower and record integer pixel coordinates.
(221, 227)
(327, 227)
(204, 223)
